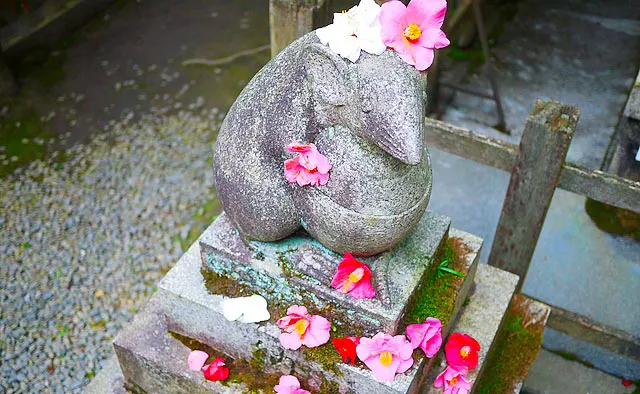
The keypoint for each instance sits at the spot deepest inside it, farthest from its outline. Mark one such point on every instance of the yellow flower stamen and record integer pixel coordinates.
(301, 326)
(412, 32)
(464, 351)
(356, 275)
(453, 381)
(386, 358)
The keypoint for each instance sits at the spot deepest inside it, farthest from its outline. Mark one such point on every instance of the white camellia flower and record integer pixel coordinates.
(251, 309)
(354, 30)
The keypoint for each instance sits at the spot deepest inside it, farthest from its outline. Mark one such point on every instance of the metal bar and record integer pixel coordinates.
(596, 333)
(477, 12)
(543, 148)
(468, 89)
(595, 184)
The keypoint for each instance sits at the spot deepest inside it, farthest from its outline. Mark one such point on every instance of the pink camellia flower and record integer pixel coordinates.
(427, 336)
(454, 381)
(353, 278)
(289, 385)
(196, 360)
(310, 167)
(385, 355)
(301, 328)
(414, 31)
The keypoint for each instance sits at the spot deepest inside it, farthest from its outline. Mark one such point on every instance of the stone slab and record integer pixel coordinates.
(482, 317)
(632, 108)
(108, 381)
(183, 305)
(552, 374)
(299, 266)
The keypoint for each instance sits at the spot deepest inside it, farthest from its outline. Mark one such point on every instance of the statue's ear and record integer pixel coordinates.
(327, 75)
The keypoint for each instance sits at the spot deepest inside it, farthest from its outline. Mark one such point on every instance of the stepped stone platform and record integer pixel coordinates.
(186, 312)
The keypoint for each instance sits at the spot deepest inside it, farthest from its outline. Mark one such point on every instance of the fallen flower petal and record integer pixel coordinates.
(251, 309)
(347, 348)
(196, 360)
(289, 385)
(462, 351)
(216, 370)
(426, 336)
(453, 380)
(353, 278)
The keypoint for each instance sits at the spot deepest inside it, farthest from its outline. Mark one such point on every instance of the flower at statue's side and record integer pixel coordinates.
(385, 355)
(427, 336)
(252, 309)
(453, 380)
(289, 385)
(301, 328)
(196, 360)
(216, 370)
(355, 30)
(414, 31)
(462, 351)
(347, 348)
(310, 167)
(353, 278)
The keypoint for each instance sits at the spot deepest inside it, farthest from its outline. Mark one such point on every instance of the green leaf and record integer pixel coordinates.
(452, 271)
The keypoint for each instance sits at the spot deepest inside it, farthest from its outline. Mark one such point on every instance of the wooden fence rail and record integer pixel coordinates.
(595, 184)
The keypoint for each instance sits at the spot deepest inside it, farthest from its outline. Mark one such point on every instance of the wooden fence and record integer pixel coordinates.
(537, 167)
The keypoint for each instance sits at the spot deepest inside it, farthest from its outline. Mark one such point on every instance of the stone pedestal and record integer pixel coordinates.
(186, 313)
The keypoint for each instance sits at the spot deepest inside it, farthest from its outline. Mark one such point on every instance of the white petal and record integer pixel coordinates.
(251, 309)
(325, 34)
(231, 308)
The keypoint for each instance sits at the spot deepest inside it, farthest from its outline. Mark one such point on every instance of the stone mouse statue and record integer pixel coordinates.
(366, 117)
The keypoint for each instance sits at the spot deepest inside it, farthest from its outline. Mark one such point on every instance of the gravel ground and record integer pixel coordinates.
(84, 242)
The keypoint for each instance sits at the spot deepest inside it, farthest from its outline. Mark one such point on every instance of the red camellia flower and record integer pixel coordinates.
(216, 370)
(462, 351)
(347, 348)
(353, 278)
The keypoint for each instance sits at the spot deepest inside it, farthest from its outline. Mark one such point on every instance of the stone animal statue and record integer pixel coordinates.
(366, 117)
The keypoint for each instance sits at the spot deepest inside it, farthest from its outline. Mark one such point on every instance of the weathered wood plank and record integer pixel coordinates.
(291, 19)
(543, 149)
(595, 184)
(596, 333)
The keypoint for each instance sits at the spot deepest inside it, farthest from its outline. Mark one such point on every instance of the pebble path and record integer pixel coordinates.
(83, 243)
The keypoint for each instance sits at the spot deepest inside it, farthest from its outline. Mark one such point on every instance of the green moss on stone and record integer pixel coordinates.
(436, 296)
(250, 373)
(614, 220)
(513, 353)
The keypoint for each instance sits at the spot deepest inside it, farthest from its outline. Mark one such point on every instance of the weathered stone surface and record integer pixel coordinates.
(632, 108)
(108, 381)
(183, 305)
(483, 316)
(298, 268)
(366, 117)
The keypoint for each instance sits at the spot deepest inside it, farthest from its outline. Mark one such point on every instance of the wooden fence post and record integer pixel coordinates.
(543, 149)
(8, 84)
(291, 19)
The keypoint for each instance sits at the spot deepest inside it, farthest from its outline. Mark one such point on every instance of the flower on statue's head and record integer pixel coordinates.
(427, 336)
(347, 348)
(353, 278)
(310, 167)
(385, 355)
(301, 328)
(462, 351)
(414, 31)
(355, 30)
(216, 370)
(289, 385)
(453, 380)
